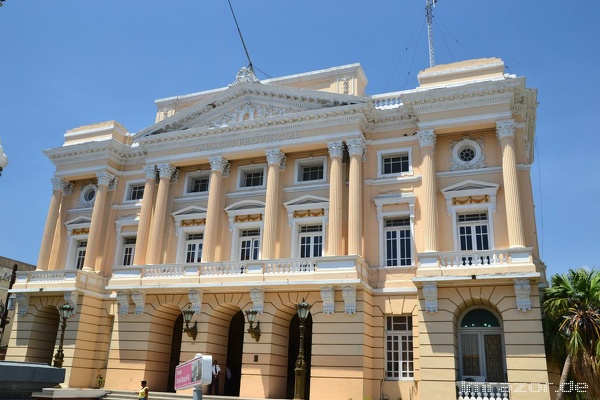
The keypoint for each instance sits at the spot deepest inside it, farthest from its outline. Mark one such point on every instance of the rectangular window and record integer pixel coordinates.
(253, 178)
(397, 242)
(136, 192)
(199, 184)
(399, 362)
(473, 234)
(80, 254)
(395, 163)
(311, 241)
(193, 247)
(249, 244)
(128, 250)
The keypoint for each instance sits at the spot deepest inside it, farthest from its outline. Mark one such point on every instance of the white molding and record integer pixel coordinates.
(328, 298)
(349, 295)
(391, 152)
(310, 161)
(258, 299)
(195, 297)
(391, 199)
(241, 174)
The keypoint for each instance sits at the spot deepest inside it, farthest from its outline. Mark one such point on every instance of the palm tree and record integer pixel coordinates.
(572, 326)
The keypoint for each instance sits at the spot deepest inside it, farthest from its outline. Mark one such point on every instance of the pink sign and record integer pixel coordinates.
(188, 374)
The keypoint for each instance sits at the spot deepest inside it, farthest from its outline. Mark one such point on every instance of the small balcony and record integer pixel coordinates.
(58, 281)
(475, 262)
(272, 273)
(466, 390)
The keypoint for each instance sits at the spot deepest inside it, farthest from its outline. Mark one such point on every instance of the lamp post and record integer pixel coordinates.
(66, 310)
(3, 157)
(302, 309)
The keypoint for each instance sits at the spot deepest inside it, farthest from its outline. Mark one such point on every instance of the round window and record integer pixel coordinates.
(466, 154)
(88, 195)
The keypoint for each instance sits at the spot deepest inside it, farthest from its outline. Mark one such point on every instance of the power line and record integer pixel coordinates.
(404, 53)
(413, 59)
(241, 38)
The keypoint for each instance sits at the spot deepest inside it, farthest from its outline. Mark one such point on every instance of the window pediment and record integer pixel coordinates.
(307, 206)
(470, 192)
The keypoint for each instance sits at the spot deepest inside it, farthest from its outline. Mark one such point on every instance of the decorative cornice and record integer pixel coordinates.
(96, 151)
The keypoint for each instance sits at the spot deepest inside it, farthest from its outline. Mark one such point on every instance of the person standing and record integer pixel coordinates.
(216, 370)
(143, 392)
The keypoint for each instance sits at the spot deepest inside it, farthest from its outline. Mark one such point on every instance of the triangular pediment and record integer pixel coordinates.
(79, 221)
(189, 212)
(245, 205)
(470, 187)
(308, 201)
(246, 104)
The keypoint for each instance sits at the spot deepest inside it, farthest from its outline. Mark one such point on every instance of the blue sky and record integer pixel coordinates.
(69, 63)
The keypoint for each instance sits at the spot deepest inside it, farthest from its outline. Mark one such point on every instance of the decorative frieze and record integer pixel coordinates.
(349, 295)
(523, 294)
(258, 299)
(327, 295)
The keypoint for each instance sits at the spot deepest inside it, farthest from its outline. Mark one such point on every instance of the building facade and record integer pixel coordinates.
(405, 220)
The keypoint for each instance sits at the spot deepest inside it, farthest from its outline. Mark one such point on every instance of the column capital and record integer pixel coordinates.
(151, 171)
(218, 163)
(336, 149)
(505, 128)
(105, 178)
(356, 147)
(274, 156)
(62, 185)
(426, 138)
(166, 170)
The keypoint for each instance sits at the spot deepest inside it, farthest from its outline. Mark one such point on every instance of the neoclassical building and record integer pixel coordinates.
(405, 220)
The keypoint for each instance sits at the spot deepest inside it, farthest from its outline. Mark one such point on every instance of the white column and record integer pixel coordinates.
(269, 236)
(336, 199)
(505, 130)
(94, 241)
(356, 149)
(154, 253)
(59, 186)
(213, 213)
(141, 241)
(428, 198)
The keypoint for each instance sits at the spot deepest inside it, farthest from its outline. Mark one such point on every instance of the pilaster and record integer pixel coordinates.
(154, 256)
(141, 241)
(356, 149)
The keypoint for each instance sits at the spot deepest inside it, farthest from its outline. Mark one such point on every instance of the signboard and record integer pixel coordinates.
(195, 372)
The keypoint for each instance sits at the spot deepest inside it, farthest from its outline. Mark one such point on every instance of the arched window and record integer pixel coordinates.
(481, 347)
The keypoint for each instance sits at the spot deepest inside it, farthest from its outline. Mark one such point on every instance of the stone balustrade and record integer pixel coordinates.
(482, 390)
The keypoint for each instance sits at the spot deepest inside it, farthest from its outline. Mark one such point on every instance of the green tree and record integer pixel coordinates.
(572, 327)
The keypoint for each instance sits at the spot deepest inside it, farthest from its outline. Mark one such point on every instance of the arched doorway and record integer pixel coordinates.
(481, 347)
(43, 336)
(235, 349)
(175, 352)
(293, 348)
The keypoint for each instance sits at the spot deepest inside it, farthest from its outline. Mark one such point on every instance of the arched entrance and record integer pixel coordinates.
(175, 352)
(481, 347)
(43, 335)
(293, 348)
(235, 349)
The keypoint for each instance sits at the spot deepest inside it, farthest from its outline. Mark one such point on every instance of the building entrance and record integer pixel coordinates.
(175, 352)
(235, 348)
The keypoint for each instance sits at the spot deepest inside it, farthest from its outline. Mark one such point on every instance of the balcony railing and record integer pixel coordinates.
(482, 390)
(476, 258)
(350, 266)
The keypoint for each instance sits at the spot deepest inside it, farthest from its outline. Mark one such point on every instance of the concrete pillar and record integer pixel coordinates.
(59, 187)
(94, 237)
(428, 197)
(356, 149)
(269, 237)
(141, 241)
(213, 213)
(336, 192)
(505, 130)
(154, 253)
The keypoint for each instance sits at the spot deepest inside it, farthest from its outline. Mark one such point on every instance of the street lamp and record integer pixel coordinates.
(66, 310)
(302, 309)
(3, 157)
(187, 318)
(254, 332)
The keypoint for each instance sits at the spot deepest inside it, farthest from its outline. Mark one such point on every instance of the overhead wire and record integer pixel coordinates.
(413, 59)
(444, 39)
(403, 53)
(441, 24)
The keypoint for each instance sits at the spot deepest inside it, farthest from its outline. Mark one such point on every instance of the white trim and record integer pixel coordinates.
(184, 231)
(241, 175)
(128, 191)
(391, 199)
(191, 212)
(120, 223)
(381, 154)
(306, 162)
(244, 207)
(189, 177)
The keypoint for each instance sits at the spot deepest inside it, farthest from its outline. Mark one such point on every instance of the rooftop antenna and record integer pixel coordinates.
(250, 67)
(429, 4)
